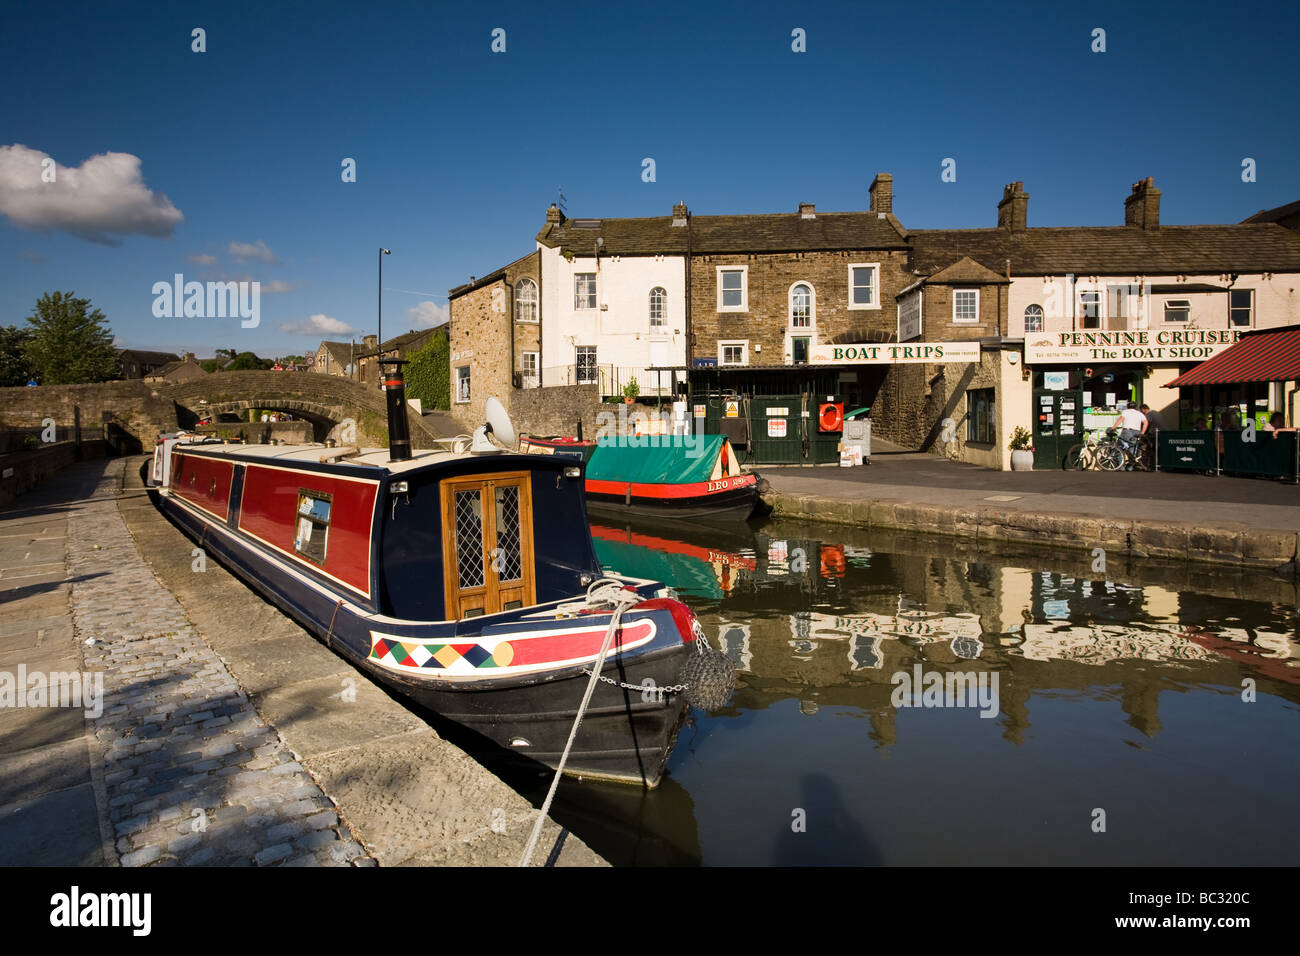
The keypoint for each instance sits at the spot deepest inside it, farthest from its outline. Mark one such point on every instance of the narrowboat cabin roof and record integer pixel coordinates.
(317, 454)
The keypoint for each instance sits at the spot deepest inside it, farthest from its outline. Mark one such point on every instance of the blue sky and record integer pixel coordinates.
(459, 150)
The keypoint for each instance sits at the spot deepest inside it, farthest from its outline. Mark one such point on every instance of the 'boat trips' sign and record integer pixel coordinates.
(1140, 345)
(894, 353)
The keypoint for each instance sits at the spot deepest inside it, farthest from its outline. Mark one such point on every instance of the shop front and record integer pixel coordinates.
(1083, 380)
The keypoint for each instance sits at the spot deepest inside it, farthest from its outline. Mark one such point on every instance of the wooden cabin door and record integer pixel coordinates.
(487, 540)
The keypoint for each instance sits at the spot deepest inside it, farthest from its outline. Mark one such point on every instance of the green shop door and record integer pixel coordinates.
(1058, 424)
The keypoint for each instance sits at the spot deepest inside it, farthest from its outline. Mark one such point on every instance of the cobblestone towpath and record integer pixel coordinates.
(175, 762)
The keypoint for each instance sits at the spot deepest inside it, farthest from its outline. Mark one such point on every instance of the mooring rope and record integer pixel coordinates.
(602, 591)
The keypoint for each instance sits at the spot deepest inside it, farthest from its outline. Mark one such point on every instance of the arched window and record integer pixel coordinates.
(801, 306)
(658, 308)
(525, 301)
(1034, 318)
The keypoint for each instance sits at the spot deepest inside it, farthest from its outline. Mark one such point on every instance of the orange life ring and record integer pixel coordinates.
(830, 416)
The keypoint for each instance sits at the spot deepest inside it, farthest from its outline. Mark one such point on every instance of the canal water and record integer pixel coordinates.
(1088, 714)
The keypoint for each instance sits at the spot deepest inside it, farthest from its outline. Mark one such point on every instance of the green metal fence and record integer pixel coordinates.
(1258, 453)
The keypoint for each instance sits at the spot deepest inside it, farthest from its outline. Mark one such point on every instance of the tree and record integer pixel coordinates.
(212, 365)
(70, 343)
(15, 369)
(245, 361)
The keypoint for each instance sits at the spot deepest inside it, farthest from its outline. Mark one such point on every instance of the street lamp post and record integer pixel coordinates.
(380, 340)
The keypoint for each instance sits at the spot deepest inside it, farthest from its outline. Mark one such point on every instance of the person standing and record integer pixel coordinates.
(1132, 425)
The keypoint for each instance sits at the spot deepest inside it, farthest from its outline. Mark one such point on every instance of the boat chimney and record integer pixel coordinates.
(399, 432)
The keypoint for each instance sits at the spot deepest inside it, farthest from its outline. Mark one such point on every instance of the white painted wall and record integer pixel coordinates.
(1277, 300)
(619, 326)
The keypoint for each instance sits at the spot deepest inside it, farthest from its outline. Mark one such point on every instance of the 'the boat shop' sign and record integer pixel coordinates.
(893, 353)
(1141, 345)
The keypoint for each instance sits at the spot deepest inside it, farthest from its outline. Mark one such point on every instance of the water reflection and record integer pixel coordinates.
(1095, 674)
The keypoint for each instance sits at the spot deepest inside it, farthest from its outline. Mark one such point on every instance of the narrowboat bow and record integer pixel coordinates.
(458, 580)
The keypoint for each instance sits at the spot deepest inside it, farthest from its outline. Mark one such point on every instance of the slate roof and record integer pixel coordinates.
(1276, 214)
(967, 269)
(766, 232)
(1113, 250)
(404, 342)
(149, 358)
(340, 353)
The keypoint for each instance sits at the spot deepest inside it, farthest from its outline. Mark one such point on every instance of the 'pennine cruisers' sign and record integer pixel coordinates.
(894, 353)
(1141, 345)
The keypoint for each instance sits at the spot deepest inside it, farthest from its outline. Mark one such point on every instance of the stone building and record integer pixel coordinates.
(137, 363)
(1097, 316)
(335, 358)
(399, 347)
(183, 370)
(495, 338)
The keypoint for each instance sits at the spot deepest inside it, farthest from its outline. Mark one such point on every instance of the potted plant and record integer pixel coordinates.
(1022, 453)
(630, 391)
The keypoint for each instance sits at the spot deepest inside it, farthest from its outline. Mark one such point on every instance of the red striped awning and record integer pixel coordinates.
(1267, 355)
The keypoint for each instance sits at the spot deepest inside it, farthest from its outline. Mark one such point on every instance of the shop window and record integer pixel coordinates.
(1034, 318)
(799, 350)
(1178, 310)
(1241, 308)
(980, 416)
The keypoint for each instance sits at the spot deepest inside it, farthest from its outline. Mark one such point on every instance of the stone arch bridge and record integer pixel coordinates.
(326, 401)
(138, 411)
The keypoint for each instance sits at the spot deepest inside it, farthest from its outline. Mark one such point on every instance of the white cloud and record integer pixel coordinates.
(317, 324)
(202, 259)
(103, 197)
(274, 286)
(426, 315)
(243, 251)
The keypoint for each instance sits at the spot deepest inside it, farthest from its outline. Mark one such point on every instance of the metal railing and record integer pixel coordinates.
(611, 379)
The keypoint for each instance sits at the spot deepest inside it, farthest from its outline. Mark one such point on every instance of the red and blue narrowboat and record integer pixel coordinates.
(459, 580)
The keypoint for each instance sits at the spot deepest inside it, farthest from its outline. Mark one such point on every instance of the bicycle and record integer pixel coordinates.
(1083, 456)
(1115, 454)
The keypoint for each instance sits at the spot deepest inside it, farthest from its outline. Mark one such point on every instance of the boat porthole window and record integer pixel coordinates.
(313, 524)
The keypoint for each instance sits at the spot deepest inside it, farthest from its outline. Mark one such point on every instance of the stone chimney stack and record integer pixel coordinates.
(188, 357)
(881, 192)
(1013, 210)
(680, 214)
(371, 342)
(553, 214)
(807, 211)
(1142, 207)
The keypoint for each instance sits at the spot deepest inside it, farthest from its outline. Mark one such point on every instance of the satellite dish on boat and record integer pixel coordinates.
(498, 424)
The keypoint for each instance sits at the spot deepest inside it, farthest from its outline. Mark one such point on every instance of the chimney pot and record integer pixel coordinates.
(1142, 207)
(881, 192)
(1013, 210)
